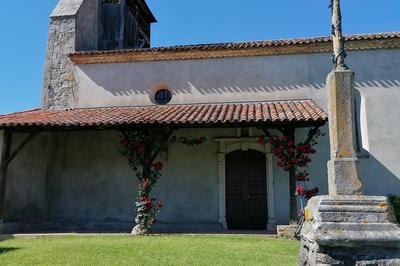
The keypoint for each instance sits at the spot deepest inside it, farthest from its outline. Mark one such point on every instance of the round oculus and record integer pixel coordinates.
(163, 97)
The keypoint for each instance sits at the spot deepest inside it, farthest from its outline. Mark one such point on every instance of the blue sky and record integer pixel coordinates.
(24, 31)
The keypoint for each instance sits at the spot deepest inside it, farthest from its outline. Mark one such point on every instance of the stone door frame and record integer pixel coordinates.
(228, 145)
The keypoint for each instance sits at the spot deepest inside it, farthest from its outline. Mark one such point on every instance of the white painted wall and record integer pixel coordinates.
(227, 80)
(203, 81)
(26, 180)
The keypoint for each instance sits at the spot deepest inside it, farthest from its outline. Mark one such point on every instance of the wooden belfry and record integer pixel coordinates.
(124, 24)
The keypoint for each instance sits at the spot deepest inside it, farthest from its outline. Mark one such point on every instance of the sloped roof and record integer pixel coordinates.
(385, 40)
(304, 112)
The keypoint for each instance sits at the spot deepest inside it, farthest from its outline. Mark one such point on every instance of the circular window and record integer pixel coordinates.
(163, 97)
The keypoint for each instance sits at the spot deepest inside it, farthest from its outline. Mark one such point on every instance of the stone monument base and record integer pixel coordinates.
(349, 230)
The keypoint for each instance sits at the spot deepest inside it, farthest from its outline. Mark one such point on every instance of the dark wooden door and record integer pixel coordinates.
(246, 197)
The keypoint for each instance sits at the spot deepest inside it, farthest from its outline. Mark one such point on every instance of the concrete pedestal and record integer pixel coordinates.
(350, 230)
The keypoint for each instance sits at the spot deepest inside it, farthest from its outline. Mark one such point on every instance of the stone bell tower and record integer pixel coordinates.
(83, 25)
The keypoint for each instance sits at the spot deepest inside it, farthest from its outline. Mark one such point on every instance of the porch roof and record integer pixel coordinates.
(298, 113)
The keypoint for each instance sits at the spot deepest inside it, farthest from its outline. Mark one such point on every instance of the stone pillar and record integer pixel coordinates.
(346, 228)
(271, 224)
(221, 190)
(343, 175)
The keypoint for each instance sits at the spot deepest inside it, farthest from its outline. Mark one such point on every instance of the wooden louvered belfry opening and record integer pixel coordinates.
(124, 24)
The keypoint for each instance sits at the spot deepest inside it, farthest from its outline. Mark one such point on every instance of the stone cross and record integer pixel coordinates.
(343, 176)
(346, 228)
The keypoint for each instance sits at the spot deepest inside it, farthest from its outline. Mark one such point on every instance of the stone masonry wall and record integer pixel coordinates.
(59, 79)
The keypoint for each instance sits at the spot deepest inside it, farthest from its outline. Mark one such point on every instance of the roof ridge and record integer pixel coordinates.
(22, 112)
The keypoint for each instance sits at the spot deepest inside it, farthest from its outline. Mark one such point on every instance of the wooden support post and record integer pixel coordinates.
(122, 24)
(290, 132)
(5, 153)
(6, 159)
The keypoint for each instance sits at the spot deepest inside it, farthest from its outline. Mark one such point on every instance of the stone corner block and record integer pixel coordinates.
(343, 178)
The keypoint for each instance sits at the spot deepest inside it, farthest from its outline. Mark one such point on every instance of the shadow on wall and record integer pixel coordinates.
(387, 84)
(189, 87)
(255, 89)
(112, 86)
(377, 179)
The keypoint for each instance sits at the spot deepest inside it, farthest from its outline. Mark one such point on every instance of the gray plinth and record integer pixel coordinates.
(350, 230)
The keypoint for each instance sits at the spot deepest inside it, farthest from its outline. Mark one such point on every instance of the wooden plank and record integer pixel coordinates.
(122, 24)
(20, 147)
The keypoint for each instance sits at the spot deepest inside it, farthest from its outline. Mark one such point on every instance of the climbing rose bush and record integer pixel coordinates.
(141, 148)
(294, 156)
(188, 141)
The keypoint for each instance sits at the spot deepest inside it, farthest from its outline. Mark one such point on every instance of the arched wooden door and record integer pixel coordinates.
(246, 190)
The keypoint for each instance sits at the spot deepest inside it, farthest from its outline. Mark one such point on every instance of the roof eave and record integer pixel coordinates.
(270, 125)
(304, 46)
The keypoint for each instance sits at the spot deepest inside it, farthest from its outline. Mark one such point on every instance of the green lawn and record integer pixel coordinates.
(149, 250)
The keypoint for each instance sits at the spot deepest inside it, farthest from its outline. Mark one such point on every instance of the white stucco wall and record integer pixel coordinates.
(203, 81)
(241, 79)
(26, 180)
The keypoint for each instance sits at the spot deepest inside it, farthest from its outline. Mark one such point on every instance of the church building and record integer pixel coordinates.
(61, 167)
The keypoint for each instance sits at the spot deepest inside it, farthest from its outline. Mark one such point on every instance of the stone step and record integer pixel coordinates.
(354, 217)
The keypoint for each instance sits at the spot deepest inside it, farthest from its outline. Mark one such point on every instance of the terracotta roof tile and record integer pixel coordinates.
(190, 114)
(251, 44)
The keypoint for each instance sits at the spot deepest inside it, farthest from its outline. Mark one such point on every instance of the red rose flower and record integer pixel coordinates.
(125, 142)
(140, 148)
(154, 221)
(159, 166)
(300, 190)
(261, 140)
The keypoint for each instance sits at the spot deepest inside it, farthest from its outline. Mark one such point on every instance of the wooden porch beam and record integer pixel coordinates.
(11, 156)
(5, 153)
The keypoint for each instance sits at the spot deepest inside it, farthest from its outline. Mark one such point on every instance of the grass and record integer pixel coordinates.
(149, 250)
